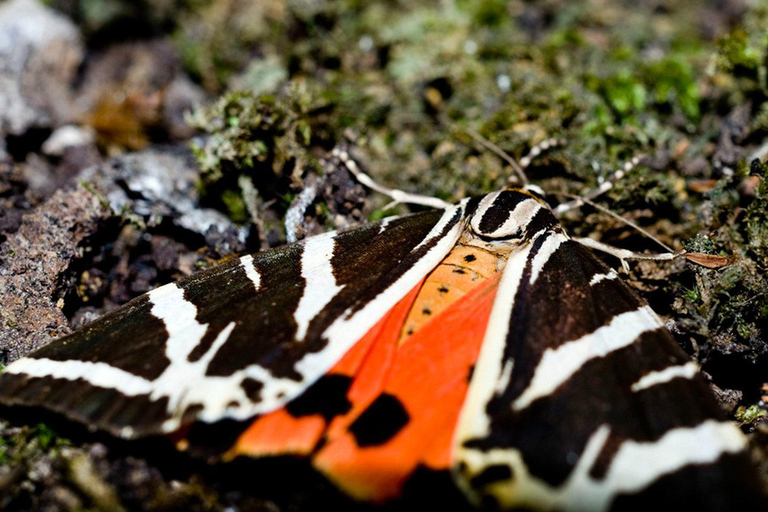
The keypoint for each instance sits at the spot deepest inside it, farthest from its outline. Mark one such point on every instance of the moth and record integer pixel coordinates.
(476, 341)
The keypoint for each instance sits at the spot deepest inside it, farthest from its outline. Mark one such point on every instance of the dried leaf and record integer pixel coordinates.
(707, 260)
(702, 185)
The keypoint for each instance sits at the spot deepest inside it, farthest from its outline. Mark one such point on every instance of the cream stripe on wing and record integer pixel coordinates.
(635, 467)
(603, 277)
(251, 272)
(97, 374)
(557, 365)
(547, 249)
(183, 382)
(320, 287)
(186, 383)
(349, 327)
(491, 366)
(685, 371)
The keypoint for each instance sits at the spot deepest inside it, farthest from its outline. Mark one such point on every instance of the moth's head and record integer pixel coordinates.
(511, 214)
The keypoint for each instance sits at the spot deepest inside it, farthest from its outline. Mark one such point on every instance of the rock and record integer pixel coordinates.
(134, 93)
(181, 96)
(68, 136)
(12, 199)
(40, 52)
(70, 149)
(158, 184)
(33, 264)
(45, 249)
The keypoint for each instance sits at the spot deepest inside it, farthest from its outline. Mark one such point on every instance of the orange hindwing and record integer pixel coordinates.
(406, 382)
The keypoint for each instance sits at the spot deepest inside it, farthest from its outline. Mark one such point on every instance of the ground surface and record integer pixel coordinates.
(142, 141)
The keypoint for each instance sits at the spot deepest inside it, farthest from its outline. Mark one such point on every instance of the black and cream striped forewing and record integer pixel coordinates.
(234, 341)
(581, 400)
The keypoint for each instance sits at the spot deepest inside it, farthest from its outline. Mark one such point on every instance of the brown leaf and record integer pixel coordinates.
(702, 185)
(707, 260)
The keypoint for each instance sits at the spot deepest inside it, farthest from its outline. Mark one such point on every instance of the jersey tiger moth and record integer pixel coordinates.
(477, 341)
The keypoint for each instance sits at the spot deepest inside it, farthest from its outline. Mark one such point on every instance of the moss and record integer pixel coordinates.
(700, 243)
(45, 436)
(756, 224)
(27, 442)
(731, 301)
(245, 130)
(675, 85)
(741, 56)
(216, 39)
(748, 414)
(623, 92)
(235, 206)
(262, 137)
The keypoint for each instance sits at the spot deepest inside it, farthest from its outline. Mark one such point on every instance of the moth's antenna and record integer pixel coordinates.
(539, 148)
(397, 196)
(601, 189)
(519, 169)
(712, 261)
(621, 219)
(622, 254)
(625, 255)
(524, 161)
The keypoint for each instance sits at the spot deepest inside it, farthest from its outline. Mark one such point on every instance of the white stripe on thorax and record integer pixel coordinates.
(517, 218)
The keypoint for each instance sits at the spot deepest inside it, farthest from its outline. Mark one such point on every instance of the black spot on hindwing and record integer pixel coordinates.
(380, 422)
(327, 398)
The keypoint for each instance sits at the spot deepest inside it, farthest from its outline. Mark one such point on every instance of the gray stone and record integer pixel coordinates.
(158, 183)
(40, 51)
(33, 268)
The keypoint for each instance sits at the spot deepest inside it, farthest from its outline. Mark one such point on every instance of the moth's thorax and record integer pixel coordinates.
(468, 265)
(499, 224)
(512, 215)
